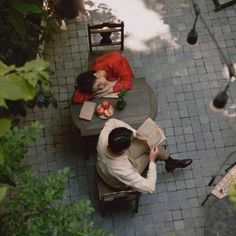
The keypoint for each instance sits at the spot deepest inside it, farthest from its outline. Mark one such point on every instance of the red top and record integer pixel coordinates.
(117, 67)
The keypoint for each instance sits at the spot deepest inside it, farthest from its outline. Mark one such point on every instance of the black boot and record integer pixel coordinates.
(171, 164)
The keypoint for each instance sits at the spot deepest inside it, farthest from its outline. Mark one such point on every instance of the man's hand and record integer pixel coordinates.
(154, 154)
(140, 137)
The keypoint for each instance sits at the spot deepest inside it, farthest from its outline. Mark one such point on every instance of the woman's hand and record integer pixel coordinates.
(106, 90)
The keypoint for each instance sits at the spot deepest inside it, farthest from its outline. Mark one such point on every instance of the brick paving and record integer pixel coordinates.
(185, 79)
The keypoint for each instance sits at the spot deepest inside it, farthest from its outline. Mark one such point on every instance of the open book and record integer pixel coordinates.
(151, 131)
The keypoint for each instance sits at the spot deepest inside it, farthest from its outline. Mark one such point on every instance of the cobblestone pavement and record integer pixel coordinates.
(185, 79)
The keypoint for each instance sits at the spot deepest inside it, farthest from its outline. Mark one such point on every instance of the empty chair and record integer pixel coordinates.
(103, 38)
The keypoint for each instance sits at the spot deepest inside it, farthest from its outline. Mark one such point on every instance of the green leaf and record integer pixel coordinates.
(25, 7)
(36, 65)
(4, 69)
(1, 156)
(232, 193)
(5, 125)
(31, 77)
(15, 88)
(2, 102)
(17, 21)
(3, 191)
(45, 85)
(44, 74)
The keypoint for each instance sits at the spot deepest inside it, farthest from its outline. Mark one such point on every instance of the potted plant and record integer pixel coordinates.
(121, 103)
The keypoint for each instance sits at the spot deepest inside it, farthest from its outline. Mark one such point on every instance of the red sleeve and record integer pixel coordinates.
(79, 97)
(124, 82)
(117, 68)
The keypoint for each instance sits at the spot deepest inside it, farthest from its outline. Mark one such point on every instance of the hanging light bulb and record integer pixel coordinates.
(220, 101)
(193, 35)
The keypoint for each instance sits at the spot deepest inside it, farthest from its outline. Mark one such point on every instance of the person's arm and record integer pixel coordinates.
(79, 97)
(124, 82)
(107, 90)
(124, 73)
(130, 177)
(117, 68)
(136, 181)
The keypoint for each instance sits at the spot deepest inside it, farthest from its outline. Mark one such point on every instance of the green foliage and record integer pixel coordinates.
(123, 92)
(17, 11)
(14, 145)
(20, 24)
(36, 207)
(232, 194)
(3, 191)
(27, 83)
(5, 125)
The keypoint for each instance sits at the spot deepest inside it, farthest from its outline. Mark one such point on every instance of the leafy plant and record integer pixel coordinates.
(121, 103)
(14, 146)
(17, 12)
(22, 31)
(123, 92)
(26, 85)
(36, 207)
(5, 125)
(232, 193)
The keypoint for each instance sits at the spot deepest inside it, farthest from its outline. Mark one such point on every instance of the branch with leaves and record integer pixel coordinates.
(28, 84)
(36, 207)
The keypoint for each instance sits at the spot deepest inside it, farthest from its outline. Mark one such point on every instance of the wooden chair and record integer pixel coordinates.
(109, 195)
(103, 38)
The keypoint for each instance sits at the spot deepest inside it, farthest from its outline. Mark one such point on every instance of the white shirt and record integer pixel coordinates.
(120, 167)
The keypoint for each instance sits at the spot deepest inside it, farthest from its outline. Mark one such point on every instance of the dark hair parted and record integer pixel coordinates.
(119, 139)
(85, 82)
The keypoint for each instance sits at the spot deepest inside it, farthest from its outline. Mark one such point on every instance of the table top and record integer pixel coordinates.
(141, 103)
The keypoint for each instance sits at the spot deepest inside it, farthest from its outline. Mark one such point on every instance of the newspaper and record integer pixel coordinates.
(87, 110)
(151, 131)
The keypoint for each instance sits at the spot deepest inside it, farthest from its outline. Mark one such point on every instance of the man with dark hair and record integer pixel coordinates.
(110, 73)
(123, 155)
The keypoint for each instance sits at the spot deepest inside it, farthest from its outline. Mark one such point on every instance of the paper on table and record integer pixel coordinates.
(87, 110)
(111, 95)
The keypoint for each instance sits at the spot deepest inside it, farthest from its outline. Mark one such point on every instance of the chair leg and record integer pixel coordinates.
(137, 203)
